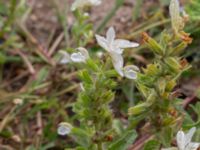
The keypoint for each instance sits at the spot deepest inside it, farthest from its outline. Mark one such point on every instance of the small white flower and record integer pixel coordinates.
(64, 128)
(65, 57)
(115, 47)
(18, 101)
(84, 3)
(80, 56)
(130, 72)
(184, 140)
(86, 14)
(174, 9)
(111, 44)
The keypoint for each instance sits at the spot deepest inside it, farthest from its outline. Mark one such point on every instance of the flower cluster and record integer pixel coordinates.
(156, 83)
(115, 48)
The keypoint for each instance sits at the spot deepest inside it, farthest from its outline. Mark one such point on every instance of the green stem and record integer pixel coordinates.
(63, 19)
(119, 3)
(17, 59)
(137, 9)
(10, 19)
(148, 27)
(99, 146)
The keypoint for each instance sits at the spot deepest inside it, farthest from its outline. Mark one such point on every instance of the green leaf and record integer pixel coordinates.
(153, 45)
(164, 2)
(85, 76)
(166, 136)
(119, 2)
(3, 8)
(40, 78)
(77, 148)
(2, 58)
(152, 145)
(173, 64)
(126, 140)
(137, 9)
(196, 108)
(138, 109)
(81, 136)
(92, 65)
(118, 126)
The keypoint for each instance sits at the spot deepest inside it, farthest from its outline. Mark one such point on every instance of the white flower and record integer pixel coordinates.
(115, 48)
(111, 44)
(130, 72)
(84, 3)
(18, 101)
(80, 56)
(184, 140)
(64, 128)
(65, 57)
(174, 10)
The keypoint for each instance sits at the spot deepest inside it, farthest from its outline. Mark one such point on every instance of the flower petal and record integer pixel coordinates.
(180, 139)
(102, 42)
(83, 3)
(192, 146)
(77, 4)
(95, 2)
(78, 57)
(110, 35)
(188, 136)
(84, 52)
(116, 49)
(125, 43)
(65, 57)
(131, 72)
(118, 63)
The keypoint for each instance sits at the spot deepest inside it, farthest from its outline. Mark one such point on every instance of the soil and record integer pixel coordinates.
(43, 19)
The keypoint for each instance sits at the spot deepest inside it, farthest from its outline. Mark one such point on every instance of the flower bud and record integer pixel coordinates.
(64, 128)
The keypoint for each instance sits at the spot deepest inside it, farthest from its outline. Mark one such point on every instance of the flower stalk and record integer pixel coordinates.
(161, 108)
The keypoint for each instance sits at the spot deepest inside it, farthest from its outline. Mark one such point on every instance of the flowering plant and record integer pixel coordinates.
(160, 108)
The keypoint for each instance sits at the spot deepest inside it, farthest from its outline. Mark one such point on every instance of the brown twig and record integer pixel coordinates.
(40, 50)
(188, 100)
(39, 123)
(8, 83)
(27, 62)
(140, 142)
(55, 44)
